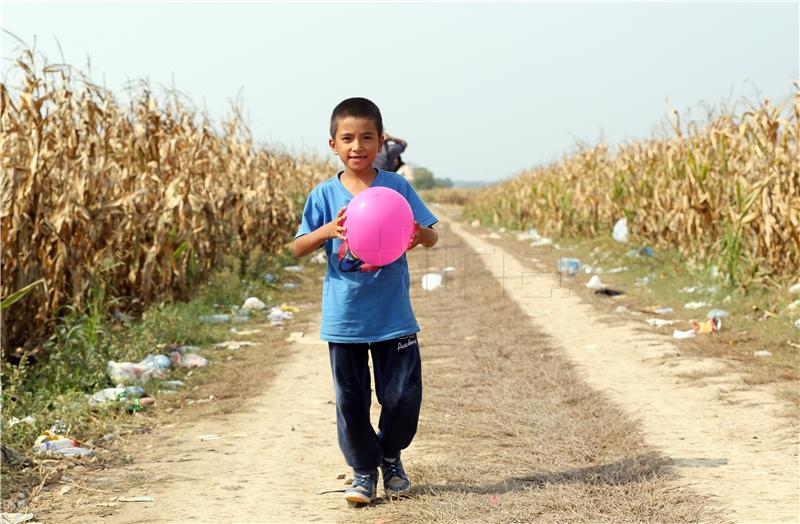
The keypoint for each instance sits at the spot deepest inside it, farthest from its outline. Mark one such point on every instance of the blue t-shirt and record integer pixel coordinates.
(360, 302)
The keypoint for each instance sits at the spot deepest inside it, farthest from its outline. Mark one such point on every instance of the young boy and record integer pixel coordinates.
(366, 309)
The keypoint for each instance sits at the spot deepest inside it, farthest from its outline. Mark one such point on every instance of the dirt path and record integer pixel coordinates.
(726, 439)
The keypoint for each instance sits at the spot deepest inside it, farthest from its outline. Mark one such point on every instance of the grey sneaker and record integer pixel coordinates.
(363, 489)
(395, 480)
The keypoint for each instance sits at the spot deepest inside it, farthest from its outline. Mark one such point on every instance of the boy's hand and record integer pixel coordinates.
(334, 228)
(419, 236)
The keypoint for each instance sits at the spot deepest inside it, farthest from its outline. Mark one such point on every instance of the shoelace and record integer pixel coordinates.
(395, 469)
(363, 479)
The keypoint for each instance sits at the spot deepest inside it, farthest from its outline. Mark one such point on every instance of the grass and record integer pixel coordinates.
(52, 384)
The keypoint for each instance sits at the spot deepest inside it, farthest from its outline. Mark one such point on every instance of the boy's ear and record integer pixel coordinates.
(332, 144)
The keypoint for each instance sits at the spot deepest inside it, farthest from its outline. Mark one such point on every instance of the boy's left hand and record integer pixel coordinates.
(418, 237)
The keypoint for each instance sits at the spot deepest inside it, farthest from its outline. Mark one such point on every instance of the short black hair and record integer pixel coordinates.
(358, 107)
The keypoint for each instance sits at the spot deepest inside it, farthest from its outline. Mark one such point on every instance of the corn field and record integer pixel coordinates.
(726, 192)
(144, 193)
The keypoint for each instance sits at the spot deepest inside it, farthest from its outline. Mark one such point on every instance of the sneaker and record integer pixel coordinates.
(363, 489)
(395, 480)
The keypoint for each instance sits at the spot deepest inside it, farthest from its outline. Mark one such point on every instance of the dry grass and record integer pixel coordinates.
(146, 197)
(448, 195)
(728, 191)
(508, 431)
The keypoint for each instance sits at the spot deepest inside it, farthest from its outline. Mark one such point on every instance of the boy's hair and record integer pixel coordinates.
(357, 107)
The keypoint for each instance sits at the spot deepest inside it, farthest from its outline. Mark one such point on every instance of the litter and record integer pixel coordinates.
(449, 269)
(640, 282)
(319, 258)
(135, 405)
(659, 322)
(663, 310)
(293, 269)
(111, 394)
(253, 304)
(762, 353)
(540, 242)
(121, 372)
(140, 498)
(709, 326)
(244, 332)
(647, 252)
(277, 316)
(215, 319)
(269, 278)
(594, 283)
(533, 234)
(156, 361)
(290, 309)
(17, 518)
(188, 360)
(13, 421)
(588, 269)
(50, 441)
(695, 305)
(684, 334)
(617, 269)
(205, 438)
(621, 230)
(291, 285)
(234, 344)
(797, 323)
(719, 313)
(431, 281)
(609, 292)
(569, 266)
(688, 289)
(172, 384)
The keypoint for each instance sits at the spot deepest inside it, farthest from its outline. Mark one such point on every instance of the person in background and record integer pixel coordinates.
(388, 157)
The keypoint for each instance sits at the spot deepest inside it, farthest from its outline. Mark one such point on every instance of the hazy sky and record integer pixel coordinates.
(480, 91)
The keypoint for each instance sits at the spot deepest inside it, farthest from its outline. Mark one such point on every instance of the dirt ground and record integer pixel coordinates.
(536, 408)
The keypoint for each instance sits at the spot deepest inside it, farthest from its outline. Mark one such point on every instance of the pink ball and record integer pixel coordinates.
(379, 225)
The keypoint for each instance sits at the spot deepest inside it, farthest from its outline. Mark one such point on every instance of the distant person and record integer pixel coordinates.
(406, 171)
(388, 157)
(366, 309)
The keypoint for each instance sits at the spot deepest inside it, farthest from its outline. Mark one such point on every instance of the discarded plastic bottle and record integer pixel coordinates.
(569, 265)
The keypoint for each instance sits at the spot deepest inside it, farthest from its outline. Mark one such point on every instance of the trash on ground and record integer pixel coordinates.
(205, 438)
(609, 292)
(172, 384)
(762, 353)
(234, 344)
(449, 269)
(540, 242)
(594, 283)
(319, 258)
(695, 305)
(533, 234)
(621, 230)
(689, 333)
(293, 269)
(219, 318)
(13, 421)
(719, 313)
(277, 316)
(647, 251)
(156, 361)
(287, 307)
(12, 457)
(121, 372)
(254, 304)
(709, 326)
(17, 518)
(244, 332)
(431, 281)
(795, 289)
(111, 394)
(290, 285)
(269, 278)
(50, 441)
(663, 310)
(797, 323)
(617, 269)
(188, 360)
(569, 266)
(691, 289)
(140, 498)
(659, 322)
(135, 405)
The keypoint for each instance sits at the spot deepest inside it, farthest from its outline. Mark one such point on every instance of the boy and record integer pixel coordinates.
(366, 309)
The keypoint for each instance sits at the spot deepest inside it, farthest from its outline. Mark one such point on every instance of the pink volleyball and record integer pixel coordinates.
(379, 225)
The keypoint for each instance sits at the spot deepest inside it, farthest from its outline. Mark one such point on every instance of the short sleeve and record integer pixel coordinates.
(313, 217)
(421, 212)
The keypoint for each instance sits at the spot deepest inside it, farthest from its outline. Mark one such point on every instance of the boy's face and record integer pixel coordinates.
(357, 143)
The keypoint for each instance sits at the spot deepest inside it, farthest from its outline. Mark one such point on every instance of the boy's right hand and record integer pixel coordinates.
(334, 228)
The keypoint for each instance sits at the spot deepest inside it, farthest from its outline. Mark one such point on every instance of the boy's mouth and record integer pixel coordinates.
(362, 157)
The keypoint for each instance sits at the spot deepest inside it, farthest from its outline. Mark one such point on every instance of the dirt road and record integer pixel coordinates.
(510, 430)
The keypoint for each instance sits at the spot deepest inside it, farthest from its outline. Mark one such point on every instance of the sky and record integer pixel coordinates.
(481, 91)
